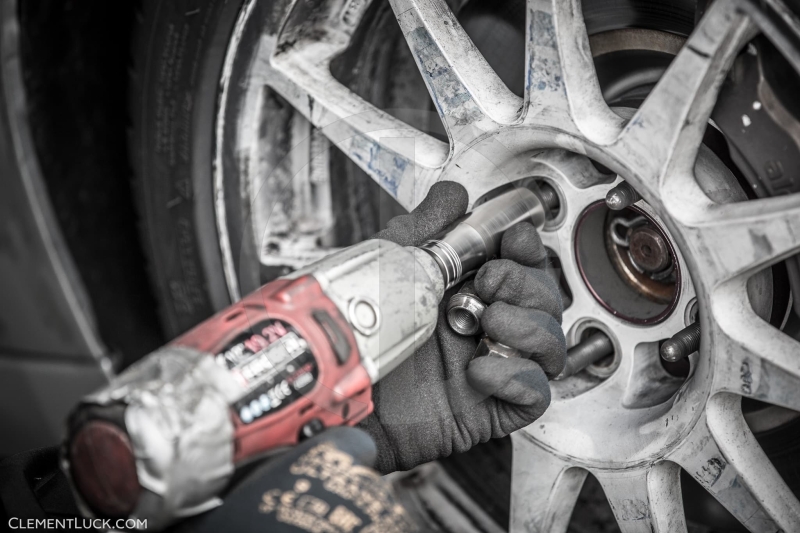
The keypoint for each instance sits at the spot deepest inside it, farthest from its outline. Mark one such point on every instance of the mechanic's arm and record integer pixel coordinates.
(324, 484)
(440, 400)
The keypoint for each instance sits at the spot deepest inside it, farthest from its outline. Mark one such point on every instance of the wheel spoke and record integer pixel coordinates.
(465, 89)
(646, 500)
(560, 79)
(754, 358)
(742, 238)
(741, 450)
(544, 488)
(664, 135)
(724, 457)
(401, 159)
(290, 234)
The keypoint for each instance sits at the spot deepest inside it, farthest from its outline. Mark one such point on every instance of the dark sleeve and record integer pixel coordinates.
(326, 484)
(32, 486)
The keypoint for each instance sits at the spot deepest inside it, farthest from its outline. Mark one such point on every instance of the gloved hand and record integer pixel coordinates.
(323, 484)
(439, 401)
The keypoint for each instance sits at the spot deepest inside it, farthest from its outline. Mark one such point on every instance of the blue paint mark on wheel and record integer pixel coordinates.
(385, 166)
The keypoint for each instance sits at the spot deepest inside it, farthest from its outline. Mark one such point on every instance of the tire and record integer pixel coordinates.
(178, 58)
(178, 54)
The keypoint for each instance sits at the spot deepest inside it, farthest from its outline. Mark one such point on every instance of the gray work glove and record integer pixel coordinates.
(440, 401)
(323, 484)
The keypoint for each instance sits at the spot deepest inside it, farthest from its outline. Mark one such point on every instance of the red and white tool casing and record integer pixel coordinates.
(296, 356)
(351, 309)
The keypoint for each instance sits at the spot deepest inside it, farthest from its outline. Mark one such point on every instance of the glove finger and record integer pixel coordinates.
(522, 244)
(518, 381)
(456, 350)
(445, 203)
(257, 503)
(530, 330)
(503, 280)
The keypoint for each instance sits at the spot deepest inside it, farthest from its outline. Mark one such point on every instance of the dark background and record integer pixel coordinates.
(77, 62)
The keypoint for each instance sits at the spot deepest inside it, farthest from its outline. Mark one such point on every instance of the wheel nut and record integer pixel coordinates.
(622, 196)
(489, 347)
(464, 311)
(648, 249)
(682, 344)
(548, 196)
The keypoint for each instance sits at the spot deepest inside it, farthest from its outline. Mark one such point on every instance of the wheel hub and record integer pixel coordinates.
(628, 262)
(634, 285)
(649, 250)
(645, 259)
(627, 410)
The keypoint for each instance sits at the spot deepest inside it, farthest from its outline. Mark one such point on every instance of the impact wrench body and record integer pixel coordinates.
(296, 356)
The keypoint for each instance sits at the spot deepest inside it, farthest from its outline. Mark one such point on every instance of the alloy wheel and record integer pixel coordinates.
(632, 425)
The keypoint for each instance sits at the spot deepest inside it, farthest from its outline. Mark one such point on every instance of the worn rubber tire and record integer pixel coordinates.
(178, 52)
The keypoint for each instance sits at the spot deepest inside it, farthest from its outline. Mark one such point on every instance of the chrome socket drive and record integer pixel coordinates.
(465, 246)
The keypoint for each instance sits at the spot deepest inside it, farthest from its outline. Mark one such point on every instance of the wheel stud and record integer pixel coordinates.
(586, 353)
(622, 196)
(682, 344)
(549, 196)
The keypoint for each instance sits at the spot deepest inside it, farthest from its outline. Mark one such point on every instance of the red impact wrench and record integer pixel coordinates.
(296, 356)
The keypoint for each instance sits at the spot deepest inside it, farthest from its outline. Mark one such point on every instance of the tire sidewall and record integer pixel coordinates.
(178, 58)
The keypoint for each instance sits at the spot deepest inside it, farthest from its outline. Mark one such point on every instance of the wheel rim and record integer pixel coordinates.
(495, 138)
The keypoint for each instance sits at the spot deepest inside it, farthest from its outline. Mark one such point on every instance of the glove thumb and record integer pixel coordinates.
(445, 203)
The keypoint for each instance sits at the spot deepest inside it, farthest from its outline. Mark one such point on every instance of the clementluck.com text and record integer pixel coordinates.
(77, 523)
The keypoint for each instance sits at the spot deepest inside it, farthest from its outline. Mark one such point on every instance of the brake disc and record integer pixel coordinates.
(629, 422)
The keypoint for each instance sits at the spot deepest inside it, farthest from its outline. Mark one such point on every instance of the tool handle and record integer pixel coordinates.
(274, 368)
(295, 357)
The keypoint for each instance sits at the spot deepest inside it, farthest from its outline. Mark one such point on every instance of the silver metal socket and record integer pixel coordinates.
(468, 244)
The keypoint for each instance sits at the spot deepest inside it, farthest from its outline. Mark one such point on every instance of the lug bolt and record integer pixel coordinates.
(548, 196)
(588, 352)
(622, 196)
(682, 344)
